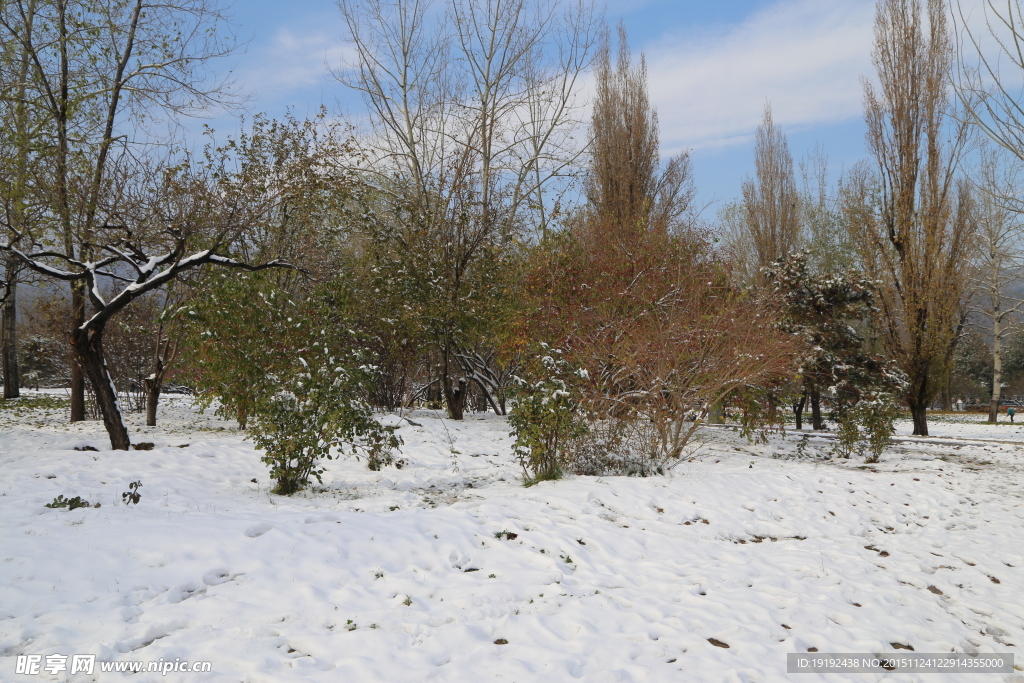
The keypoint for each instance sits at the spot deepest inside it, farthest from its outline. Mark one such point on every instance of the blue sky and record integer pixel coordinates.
(712, 66)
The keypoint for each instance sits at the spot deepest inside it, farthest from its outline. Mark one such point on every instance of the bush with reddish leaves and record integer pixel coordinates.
(660, 331)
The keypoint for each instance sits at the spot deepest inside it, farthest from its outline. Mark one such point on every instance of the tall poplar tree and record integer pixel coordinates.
(912, 222)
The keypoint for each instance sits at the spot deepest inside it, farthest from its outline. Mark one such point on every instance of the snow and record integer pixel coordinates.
(970, 426)
(400, 575)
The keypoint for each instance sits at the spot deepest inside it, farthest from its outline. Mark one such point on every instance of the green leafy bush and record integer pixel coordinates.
(546, 417)
(306, 410)
(69, 503)
(294, 371)
(867, 414)
(235, 327)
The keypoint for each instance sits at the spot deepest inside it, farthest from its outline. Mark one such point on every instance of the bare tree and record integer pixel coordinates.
(821, 218)
(473, 107)
(15, 200)
(991, 63)
(771, 201)
(166, 345)
(174, 220)
(999, 259)
(93, 77)
(912, 223)
(766, 225)
(990, 66)
(736, 246)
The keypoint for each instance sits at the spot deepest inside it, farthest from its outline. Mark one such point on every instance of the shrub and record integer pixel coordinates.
(132, 495)
(546, 416)
(301, 388)
(305, 410)
(69, 503)
(867, 411)
(662, 334)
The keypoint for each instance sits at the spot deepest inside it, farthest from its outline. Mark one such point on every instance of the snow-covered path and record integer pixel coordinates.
(450, 570)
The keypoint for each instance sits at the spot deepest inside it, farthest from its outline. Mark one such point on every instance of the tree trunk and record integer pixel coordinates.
(455, 397)
(997, 370)
(152, 400)
(12, 380)
(460, 395)
(153, 385)
(919, 408)
(947, 391)
(88, 345)
(243, 418)
(490, 399)
(816, 421)
(77, 374)
(918, 412)
(798, 410)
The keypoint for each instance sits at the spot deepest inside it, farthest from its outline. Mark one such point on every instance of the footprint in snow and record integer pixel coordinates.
(258, 530)
(215, 577)
(185, 591)
(152, 634)
(130, 615)
(457, 559)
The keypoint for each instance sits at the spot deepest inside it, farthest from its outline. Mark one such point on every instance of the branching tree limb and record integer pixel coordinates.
(153, 272)
(88, 79)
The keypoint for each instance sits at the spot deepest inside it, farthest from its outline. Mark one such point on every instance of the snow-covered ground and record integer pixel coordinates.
(970, 426)
(449, 569)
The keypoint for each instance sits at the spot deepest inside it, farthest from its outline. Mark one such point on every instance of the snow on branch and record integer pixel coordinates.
(152, 272)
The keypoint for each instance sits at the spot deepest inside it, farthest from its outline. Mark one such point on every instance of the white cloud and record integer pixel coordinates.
(293, 61)
(805, 56)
